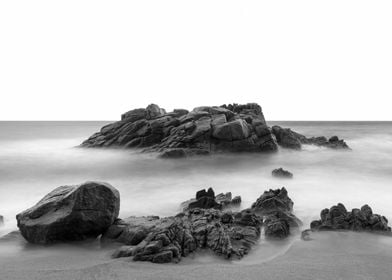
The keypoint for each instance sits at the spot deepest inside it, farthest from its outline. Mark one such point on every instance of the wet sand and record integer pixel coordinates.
(329, 255)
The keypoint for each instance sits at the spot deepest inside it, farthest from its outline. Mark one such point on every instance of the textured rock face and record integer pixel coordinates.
(232, 128)
(207, 199)
(71, 213)
(171, 238)
(281, 173)
(293, 140)
(338, 218)
(276, 207)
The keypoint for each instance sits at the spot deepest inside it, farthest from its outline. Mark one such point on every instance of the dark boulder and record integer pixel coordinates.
(338, 218)
(281, 173)
(70, 213)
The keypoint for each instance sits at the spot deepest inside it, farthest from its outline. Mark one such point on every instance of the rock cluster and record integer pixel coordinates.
(276, 207)
(233, 128)
(71, 213)
(288, 138)
(171, 238)
(281, 173)
(203, 225)
(338, 218)
(207, 199)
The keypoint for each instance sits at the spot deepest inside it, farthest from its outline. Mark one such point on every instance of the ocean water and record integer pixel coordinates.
(36, 157)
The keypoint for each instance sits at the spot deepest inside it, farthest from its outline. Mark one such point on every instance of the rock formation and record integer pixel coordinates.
(276, 207)
(169, 239)
(338, 218)
(71, 213)
(233, 128)
(207, 199)
(281, 173)
(203, 225)
(288, 138)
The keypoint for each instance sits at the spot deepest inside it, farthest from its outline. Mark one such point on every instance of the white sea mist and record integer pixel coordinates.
(36, 157)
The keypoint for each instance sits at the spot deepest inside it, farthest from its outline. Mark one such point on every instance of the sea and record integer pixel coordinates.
(36, 157)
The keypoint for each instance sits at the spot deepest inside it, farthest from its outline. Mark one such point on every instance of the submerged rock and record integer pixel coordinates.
(204, 130)
(338, 218)
(288, 138)
(70, 213)
(281, 173)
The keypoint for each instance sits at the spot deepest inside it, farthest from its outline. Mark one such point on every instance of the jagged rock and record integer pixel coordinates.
(207, 199)
(276, 207)
(181, 133)
(276, 227)
(288, 138)
(281, 173)
(273, 200)
(1, 220)
(71, 213)
(338, 218)
(175, 237)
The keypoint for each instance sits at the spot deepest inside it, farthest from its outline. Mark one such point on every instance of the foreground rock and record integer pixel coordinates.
(203, 225)
(288, 138)
(70, 213)
(170, 239)
(281, 173)
(277, 209)
(232, 128)
(338, 218)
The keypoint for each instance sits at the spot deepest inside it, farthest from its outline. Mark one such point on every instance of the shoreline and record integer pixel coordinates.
(329, 255)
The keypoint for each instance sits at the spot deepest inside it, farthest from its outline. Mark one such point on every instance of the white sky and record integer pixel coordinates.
(93, 60)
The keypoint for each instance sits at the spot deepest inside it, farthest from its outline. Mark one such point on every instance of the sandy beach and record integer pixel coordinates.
(329, 255)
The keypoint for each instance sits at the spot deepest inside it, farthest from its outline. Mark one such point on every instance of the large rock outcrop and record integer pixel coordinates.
(338, 218)
(290, 139)
(233, 128)
(169, 239)
(203, 225)
(70, 213)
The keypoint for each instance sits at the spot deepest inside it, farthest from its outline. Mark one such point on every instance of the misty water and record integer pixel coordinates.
(36, 157)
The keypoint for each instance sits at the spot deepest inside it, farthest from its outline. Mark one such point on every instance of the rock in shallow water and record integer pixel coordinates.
(71, 213)
(338, 218)
(281, 173)
(288, 138)
(174, 237)
(181, 133)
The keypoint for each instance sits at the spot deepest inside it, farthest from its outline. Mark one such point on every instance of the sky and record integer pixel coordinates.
(93, 60)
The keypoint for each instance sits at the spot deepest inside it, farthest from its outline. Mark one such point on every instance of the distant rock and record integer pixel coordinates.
(281, 173)
(1, 220)
(288, 138)
(71, 213)
(338, 218)
(204, 130)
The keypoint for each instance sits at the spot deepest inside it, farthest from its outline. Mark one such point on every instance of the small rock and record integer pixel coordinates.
(281, 173)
